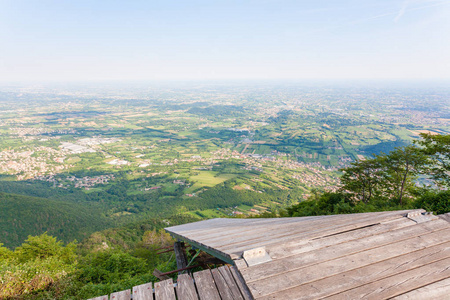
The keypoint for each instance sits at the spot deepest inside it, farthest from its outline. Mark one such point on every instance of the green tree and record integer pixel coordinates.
(401, 166)
(45, 246)
(437, 202)
(437, 147)
(5, 253)
(362, 178)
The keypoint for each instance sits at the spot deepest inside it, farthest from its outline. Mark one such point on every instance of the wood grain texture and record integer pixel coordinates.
(180, 256)
(291, 263)
(439, 290)
(206, 286)
(123, 295)
(164, 290)
(299, 276)
(248, 239)
(295, 246)
(351, 279)
(245, 291)
(143, 292)
(105, 297)
(222, 286)
(229, 279)
(186, 288)
(398, 284)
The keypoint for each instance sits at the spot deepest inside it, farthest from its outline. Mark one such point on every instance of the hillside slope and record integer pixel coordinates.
(21, 216)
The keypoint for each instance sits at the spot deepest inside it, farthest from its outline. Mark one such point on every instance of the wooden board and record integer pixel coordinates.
(186, 288)
(265, 235)
(298, 276)
(229, 279)
(241, 284)
(164, 290)
(227, 240)
(398, 284)
(222, 286)
(206, 286)
(105, 297)
(302, 260)
(351, 279)
(123, 295)
(434, 291)
(143, 292)
(180, 256)
(302, 237)
(295, 246)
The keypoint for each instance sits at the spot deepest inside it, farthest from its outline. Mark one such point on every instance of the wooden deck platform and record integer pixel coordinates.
(222, 283)
(400, 254)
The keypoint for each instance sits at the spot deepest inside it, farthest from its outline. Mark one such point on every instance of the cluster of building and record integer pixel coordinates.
(28, 164)
(85, 182)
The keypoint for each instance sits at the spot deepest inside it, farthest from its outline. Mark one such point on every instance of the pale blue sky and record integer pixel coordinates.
(264, 39)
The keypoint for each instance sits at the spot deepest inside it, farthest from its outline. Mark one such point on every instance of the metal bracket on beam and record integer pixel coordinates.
(420, 217)
(256, 256)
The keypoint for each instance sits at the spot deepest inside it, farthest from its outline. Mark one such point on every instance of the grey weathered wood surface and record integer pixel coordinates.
(157, 273)
(123, 295)
(180, 256)
(206, 287)
(398, 284)
(230, 281)
(222, 286)
(241, 283)
(328, 256)
(341, 282)
(289, 279)
(186, 288)
(313, 228)
(293, 247)
(445, 217)
(226, 236)
(164, 290)
(439, 290)
(143, 292)
(105, 297)
(292, 263)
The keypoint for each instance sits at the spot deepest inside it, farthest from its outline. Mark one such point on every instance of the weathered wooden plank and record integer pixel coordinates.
(398, 284)
(180, 256)
(229, 279)
(211, 227)
(303, 224)
(276, 228)
(261, 236)
(186, 288)
(164, 290)
(298, 276)
(351, 279)
(296, 246)
(222, 286)
(158, 274)
(105, 297)
(143, 292)
(445, 217)
(248, 224)
(206, 286)
(123, 295)
(302, 237)
(434, 291)
(303, 260)
(245, 292)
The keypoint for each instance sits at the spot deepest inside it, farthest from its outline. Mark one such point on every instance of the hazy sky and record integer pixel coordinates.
(259, 39)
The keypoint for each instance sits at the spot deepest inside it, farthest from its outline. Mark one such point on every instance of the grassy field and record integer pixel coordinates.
(208, 179)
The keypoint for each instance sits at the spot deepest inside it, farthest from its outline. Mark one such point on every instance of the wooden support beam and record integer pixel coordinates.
(180, 256)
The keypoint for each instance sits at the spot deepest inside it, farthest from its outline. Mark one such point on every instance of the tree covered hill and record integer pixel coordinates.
(21, 216)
